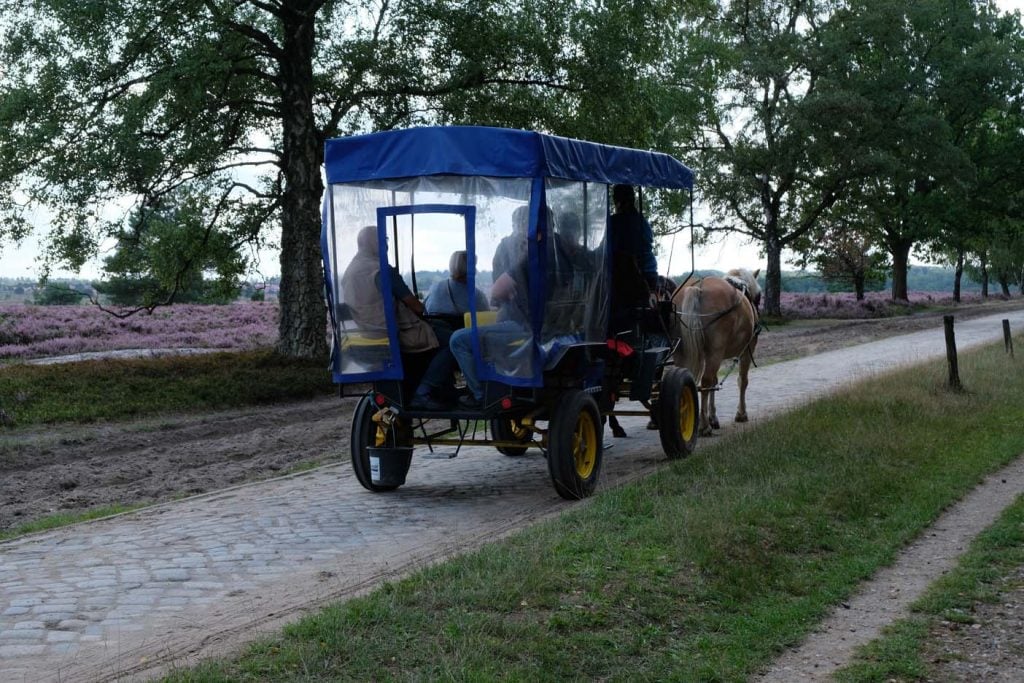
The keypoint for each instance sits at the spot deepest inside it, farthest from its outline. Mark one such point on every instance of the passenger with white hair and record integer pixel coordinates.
(450, 297)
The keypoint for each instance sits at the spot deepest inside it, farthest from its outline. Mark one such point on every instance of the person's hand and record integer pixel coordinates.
(504, 288)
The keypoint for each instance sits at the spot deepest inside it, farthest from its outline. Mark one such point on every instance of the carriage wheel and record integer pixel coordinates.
(678, 410)
(510, 429)
(365, 434)
(575, 446)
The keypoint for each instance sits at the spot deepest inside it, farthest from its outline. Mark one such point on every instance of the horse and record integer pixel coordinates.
(716, 318)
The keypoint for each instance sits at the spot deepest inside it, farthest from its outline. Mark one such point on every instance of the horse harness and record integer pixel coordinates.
(742, 288)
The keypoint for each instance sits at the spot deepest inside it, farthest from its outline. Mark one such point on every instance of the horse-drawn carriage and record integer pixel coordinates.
(402, 203)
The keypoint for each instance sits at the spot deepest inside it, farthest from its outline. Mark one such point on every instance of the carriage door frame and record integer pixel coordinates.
(468, 213)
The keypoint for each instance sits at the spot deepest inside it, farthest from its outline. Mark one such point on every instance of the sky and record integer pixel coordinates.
(725, 253)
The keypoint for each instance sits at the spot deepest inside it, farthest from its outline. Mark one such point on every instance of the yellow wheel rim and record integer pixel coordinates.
(518, 431)
(687, 410)
(584, 445)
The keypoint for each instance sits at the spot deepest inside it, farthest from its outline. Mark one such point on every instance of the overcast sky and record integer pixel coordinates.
(731, 252)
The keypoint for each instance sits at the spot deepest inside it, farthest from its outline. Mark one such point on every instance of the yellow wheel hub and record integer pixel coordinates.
(687, 410)
(584, 445)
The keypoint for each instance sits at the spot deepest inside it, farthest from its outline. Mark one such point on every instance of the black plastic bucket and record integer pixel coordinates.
(388, 466)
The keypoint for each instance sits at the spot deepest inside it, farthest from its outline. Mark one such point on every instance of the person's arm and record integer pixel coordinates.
(481, 302)
(401, 291)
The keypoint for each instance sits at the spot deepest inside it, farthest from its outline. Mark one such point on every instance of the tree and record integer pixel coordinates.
(768, 130)
(171, 252)
(54, 294)
(928, 73)
(842, 248)
(103, 101)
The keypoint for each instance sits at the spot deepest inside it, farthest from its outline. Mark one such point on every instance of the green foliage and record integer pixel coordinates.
(104, 104)
(166, 253)
(118, 389)
(57, 294)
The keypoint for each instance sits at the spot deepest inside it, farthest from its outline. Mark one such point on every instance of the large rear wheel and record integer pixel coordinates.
(677, 412)
(368, 434)
(575, 448)
(510, 429)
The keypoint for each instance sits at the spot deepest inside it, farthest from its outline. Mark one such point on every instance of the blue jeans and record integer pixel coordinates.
(438, 378)
(462, 348)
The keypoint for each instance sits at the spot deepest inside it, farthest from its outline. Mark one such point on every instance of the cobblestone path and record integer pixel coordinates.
(126, 597)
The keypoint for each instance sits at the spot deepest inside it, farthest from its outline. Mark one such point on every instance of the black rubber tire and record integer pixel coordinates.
(678, 408)
(509, 429)
(575, 445)
(365, 435)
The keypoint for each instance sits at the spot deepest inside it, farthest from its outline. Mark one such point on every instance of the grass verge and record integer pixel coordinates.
(702, 572)
(55, 521)
(980, 577)
(116, 389)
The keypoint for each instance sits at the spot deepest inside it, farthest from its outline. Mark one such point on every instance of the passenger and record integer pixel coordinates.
(450, 297)
(510, 293)
(418, 341)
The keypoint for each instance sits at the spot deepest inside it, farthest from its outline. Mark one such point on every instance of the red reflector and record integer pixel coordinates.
(379, 399)
(506, 403)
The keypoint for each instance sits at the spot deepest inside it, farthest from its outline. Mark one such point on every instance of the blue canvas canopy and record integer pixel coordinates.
(496, 152)
(504, 197)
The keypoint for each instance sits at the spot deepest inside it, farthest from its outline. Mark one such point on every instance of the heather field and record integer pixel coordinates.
(42, 331)
(844, 305)
(28, 332)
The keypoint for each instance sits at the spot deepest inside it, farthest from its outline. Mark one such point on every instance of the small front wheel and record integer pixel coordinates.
(575, 447)
(677, 412)
(367, 434)
(510, 429)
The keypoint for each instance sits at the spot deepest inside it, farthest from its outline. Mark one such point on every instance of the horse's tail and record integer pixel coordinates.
(689, 329)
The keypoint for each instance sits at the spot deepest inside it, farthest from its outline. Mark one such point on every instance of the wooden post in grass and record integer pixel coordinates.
(954, 370)
(1007, 337)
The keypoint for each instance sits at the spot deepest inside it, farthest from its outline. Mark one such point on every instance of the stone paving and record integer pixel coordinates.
(125, 597)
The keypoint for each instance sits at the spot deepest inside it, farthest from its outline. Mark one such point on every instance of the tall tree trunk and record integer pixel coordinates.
(858, 286)
(958, 275)
(900, 250)
(773, 273)
(984, 277)
(1004, 286)
(303, 324)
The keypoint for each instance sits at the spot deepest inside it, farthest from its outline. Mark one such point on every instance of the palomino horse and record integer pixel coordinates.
(717, 319)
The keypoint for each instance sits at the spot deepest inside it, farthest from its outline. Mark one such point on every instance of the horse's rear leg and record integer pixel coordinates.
(708, 422)
(710, 383)
(741, 409)
(617, 431)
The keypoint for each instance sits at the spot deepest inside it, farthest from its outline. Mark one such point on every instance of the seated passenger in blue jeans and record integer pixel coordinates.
(511, 293)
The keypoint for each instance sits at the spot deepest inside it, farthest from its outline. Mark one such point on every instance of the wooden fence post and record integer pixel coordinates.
(954, 370)
(1007, 337)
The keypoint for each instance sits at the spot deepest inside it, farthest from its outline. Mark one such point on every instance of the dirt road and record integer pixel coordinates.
(75, 468)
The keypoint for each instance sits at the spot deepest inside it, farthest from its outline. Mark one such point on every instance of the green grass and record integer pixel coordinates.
(118, 389)
(704, 571)
(55, 521)
(979, 578)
